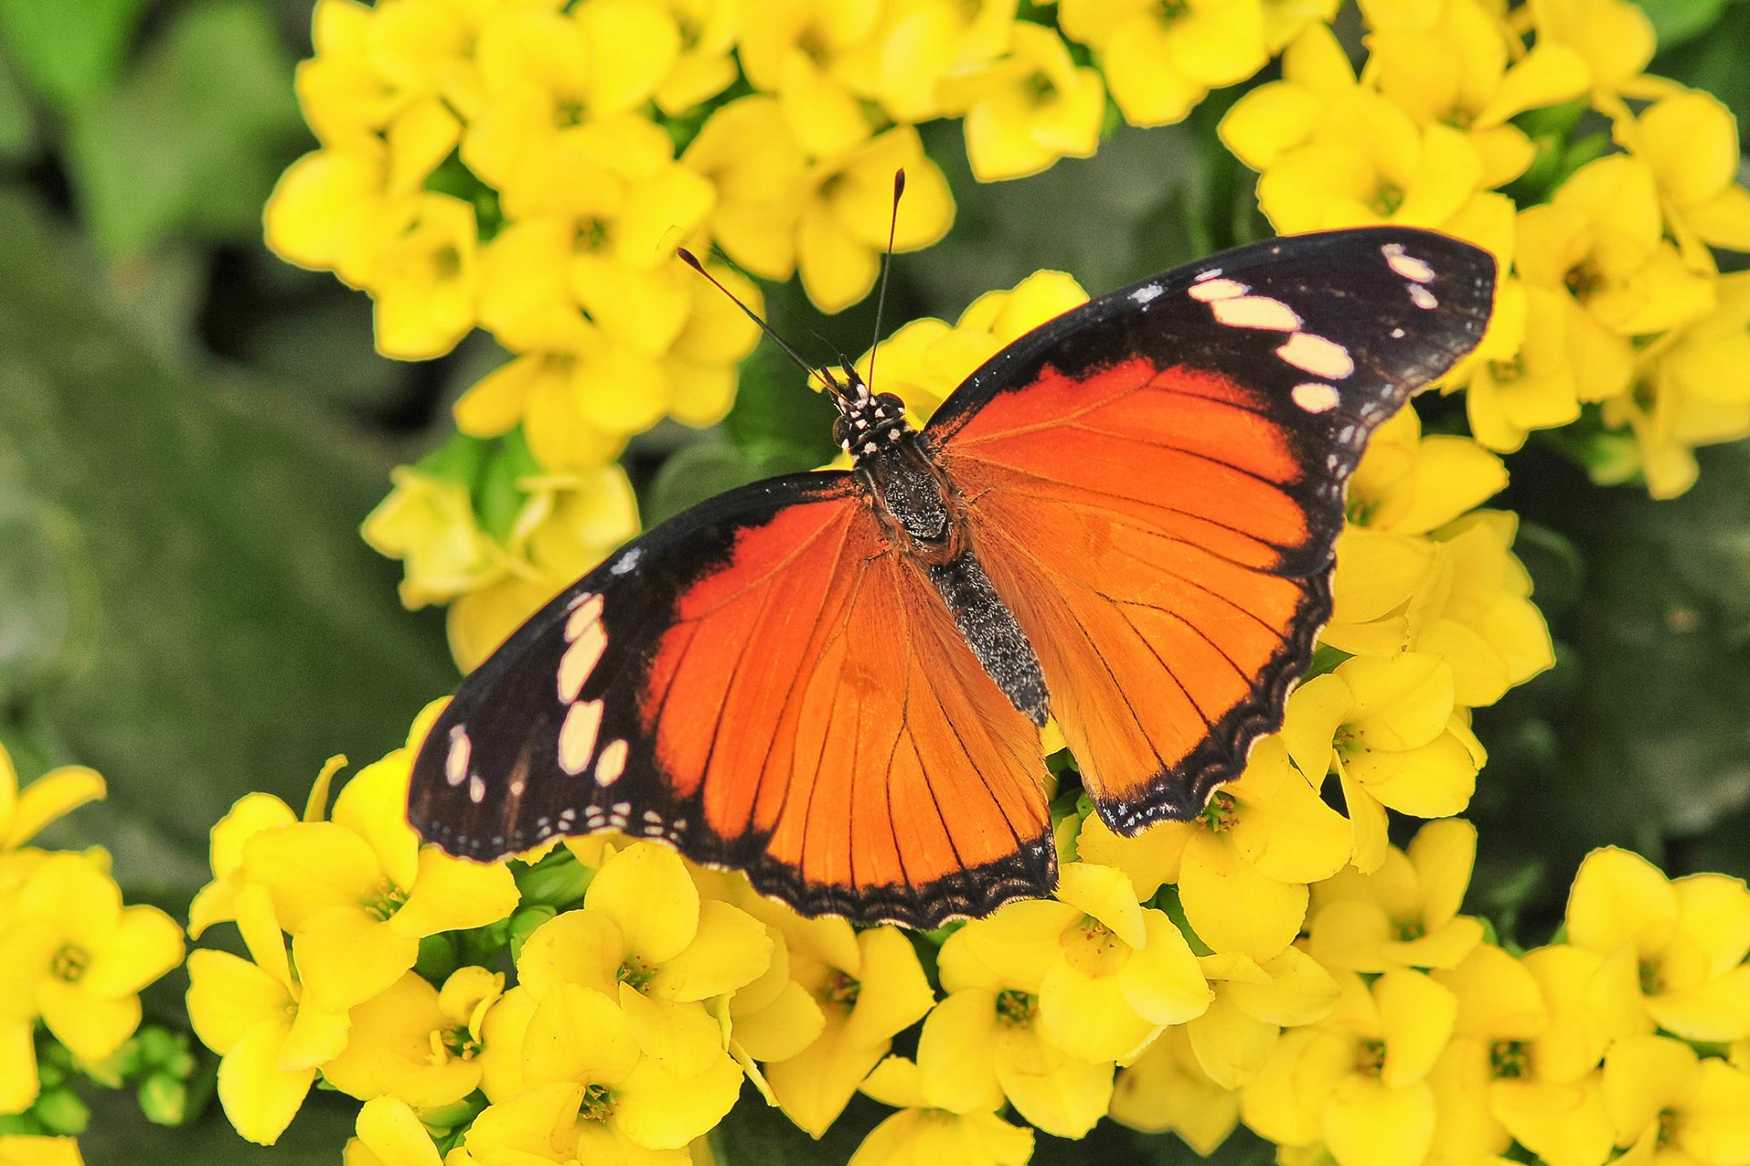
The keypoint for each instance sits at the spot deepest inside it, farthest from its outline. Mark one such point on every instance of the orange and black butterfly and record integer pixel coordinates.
(835, 681)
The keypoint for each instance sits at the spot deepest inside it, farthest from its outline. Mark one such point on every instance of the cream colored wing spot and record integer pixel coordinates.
(580, 659)
(1423, 298)
(1260, 312)
(612, 762)
(583, 720)
(1315, 396)
(476, 789)
(1209, 290)
(1405, 264)
(585, 610)
(1317, 355)
(456, 760)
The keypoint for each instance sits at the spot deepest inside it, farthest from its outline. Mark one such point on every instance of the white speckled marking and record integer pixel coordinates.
(1405, 264)
(1315, 354)
(1397, 333)
(1422, 297)
(1146, 293)
(476, 789)
(583, 721)
(1315, 397)
(585, 610)
(1203, 275)
(1210, 290)
(652, 816)
(456, 762)
(1260, 312)
(580, 660)
(610, 765)
(626, 561)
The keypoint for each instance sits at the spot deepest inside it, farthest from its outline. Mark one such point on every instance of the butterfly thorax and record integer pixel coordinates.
(923, 516)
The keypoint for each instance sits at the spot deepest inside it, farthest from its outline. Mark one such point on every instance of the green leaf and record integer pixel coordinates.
(695, 474)
(68, 50)
(237, 630)
(1676, 22)
(17, 126)
(190, 142)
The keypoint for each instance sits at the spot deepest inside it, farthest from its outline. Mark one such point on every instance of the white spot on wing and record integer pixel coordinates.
(627, 561)
(1203, 275)
(1405, 264)
(1315, 397)
(611, 764)
(1146, 293)
(476, 789)
(585, 610)
(577, 735)
(1397, 333)
(580, 660)
(1422, 297)
(456, 762)
(1317, 355)
(1208, 291)
(1259, 312)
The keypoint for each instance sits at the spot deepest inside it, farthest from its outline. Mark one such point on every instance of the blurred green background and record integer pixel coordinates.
(191, 431)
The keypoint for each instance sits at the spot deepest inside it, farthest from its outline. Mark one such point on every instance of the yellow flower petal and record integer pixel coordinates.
(578, 1034)
(1234, 908)
(783, 1028)
(684, 1038)
(1620, 899)
(53, 795)
(659, 1110)
(1106, 895)
(645, 890)
(259, 1097)
(1089, 1016)
(956, 1060)
(146, 944)
(345, 956)
(1564, 1125)
(451, 894)
(731, 949)
(1368, 1123)
(1161, 980)
(18, 1071)
(1418, 1015)
(90, 1026)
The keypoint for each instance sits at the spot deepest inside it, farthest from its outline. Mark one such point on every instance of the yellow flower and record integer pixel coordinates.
(1026, 110)
(1687, 939)
(249, 815)
(389, 1134)
(1109, 975)
(927, 359)
(1280, 115)
(416, 1044)
(1411, 484)
(72, 954)
(1390, 729)
(428, 521)
(1545, 1089)
(1484, 625)
(1253, 1003)
(984, 1041)
(1614, 36)
(647, 941)
(1405, 913)
(866, 991)
(358, 892)
(1161, 60)
(935, 1123)
(1243, 865)
(23, 813)
(332, 211)
(1698, 396)
(801, 50)
(1370, 163)
(269, 1036)
(923, 42)
(1285, 20)
(422, 280)
(548, 75)
(1166, 1090)
(1530, 384)
(633, 1102)
(560, 1123)
(31, 1150)
(776, 213)
(1455, 71)
(1358, 1081)
(705, 68)
(1674, 1107)
(1690, 140)
(1599, 244)
(1500, 1010)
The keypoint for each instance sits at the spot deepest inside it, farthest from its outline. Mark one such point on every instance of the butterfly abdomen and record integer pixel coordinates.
(991, 631)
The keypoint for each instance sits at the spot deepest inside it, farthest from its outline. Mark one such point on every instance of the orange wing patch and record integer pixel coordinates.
(816, 702)
(1138, 523)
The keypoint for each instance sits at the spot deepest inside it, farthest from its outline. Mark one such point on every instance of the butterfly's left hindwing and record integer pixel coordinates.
(1155, 483)
(763, 683)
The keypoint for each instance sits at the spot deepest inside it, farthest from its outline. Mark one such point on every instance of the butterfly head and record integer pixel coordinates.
(867, 422)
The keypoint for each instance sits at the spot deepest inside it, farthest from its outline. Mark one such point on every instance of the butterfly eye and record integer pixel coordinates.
(891, 402)
(838, 431)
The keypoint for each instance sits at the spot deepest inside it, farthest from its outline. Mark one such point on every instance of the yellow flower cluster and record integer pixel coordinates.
(73, 958)
(1614, 298)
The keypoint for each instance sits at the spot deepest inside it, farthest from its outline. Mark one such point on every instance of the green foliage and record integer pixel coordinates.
(190, 141)
(68, 52)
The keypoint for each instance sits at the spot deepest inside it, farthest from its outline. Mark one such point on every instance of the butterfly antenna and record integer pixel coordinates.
(886, 266)
(692, 261)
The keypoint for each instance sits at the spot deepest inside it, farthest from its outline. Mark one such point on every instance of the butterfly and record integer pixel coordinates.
(836, 681)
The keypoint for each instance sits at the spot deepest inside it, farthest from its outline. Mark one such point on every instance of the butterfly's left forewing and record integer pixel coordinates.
(1155, 482)
(762, 683)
